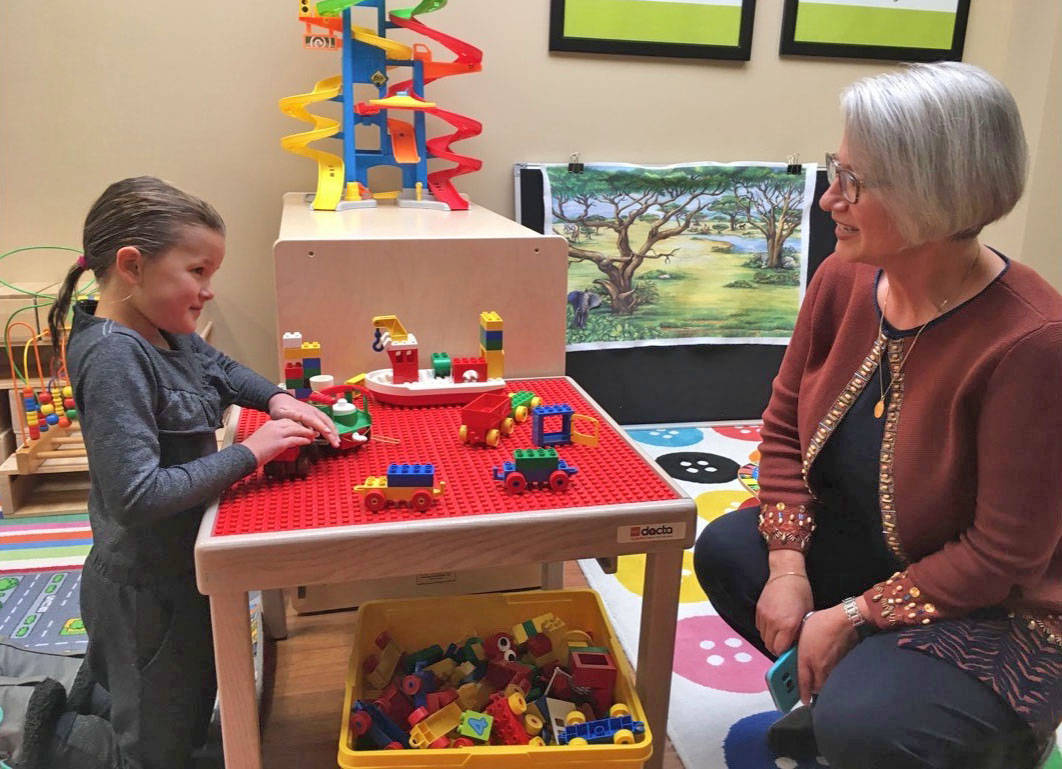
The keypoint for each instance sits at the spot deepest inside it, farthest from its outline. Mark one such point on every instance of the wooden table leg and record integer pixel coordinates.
(239, 708)
(274, 616)
(656, 643)
(553, 575)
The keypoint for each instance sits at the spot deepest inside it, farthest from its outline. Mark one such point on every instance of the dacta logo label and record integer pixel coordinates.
(651, 531)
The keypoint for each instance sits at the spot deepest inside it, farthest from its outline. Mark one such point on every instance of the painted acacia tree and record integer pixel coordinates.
(672, 199)
(771, 202)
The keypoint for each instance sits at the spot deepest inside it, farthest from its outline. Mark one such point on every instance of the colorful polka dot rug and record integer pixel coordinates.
(720, 708)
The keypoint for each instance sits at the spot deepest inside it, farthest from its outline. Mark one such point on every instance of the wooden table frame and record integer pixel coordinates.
(228, 567)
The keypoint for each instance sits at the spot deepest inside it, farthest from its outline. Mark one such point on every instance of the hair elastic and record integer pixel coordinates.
(81, 262)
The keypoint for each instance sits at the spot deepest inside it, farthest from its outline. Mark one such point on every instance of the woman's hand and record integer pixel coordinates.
(827, 636)
(782, 605)
(286, 406)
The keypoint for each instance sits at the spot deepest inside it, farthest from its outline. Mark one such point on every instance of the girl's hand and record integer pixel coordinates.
(275, 437)
(286, 406)
(782, 605)
(827, 636)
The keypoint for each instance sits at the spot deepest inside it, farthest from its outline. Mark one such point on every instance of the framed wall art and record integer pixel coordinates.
(704, 29)
(898, 30)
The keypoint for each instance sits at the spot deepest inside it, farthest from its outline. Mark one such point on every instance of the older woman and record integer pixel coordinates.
(911, 477)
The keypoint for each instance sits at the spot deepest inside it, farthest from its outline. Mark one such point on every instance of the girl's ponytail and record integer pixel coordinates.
(57, 314)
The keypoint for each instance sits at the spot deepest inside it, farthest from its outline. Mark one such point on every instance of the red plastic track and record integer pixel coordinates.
(611, 473)
(439, 182)
(468, 59)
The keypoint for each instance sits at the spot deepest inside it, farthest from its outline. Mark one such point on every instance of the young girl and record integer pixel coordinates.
(150, 394)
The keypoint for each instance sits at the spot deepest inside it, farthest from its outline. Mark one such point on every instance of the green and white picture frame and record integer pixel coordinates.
(706, 29)
(897, 30)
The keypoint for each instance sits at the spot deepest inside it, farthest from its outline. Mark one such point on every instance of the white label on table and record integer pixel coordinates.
(651, 531)
(436, 577)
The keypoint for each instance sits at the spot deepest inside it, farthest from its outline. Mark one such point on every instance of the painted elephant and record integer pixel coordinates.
(582, 302)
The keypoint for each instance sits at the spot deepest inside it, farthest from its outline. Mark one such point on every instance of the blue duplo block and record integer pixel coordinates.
(410, 475)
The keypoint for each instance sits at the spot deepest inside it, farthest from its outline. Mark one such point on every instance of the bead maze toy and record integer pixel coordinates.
(449, 381)
(47, 434)
(48, 414)
(370, 59)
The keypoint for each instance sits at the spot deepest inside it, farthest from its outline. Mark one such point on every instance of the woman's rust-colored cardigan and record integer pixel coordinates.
(970, 472)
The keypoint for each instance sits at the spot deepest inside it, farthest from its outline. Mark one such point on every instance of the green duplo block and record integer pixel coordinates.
(535, 458)
(440, 363)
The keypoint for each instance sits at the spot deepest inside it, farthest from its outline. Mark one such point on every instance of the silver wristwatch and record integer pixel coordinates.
(851, 610)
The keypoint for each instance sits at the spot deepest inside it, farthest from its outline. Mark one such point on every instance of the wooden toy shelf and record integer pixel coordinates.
(48, 478)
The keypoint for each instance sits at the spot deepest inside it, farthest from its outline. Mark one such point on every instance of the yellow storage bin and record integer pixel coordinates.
(420, 622)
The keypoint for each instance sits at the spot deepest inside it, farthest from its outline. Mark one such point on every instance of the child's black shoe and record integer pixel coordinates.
(45, 706)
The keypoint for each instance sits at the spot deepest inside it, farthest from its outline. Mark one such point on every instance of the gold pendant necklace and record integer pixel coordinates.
(879, 407)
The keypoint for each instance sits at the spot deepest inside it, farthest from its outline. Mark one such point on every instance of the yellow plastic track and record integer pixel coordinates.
(330, 175)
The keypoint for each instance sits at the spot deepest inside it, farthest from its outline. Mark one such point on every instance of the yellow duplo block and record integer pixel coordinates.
(311, 349)
(495, 362)
(460, 673)
(443, 668)
(490, 320)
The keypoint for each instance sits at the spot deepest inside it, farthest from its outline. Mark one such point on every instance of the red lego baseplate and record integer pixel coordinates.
(613, 473)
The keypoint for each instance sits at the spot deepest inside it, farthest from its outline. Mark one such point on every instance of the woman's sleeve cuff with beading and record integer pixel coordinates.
(786, 527)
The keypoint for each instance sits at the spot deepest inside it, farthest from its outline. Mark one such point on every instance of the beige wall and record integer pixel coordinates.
(94, 91)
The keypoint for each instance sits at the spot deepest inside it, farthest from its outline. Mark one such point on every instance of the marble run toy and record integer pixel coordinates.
(398, 113)
(447, 382)
(412, 484)
(534, 468)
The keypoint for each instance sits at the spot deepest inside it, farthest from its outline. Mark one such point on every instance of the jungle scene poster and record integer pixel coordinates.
(698, 253)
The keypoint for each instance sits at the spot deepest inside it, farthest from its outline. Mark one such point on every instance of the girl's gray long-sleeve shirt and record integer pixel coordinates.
(149, 417)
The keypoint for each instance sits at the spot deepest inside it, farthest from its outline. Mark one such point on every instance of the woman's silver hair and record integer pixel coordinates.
(945, 143)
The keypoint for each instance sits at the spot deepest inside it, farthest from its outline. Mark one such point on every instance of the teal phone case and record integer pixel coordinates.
(783, 682)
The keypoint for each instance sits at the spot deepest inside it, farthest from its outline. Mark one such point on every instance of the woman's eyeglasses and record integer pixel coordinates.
(850, 184)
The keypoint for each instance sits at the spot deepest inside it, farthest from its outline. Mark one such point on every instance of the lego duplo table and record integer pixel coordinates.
(267, 533)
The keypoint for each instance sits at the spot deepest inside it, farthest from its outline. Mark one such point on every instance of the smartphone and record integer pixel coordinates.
(783, 682)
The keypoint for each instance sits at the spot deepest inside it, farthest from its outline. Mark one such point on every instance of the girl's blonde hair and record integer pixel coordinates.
(141, 211)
